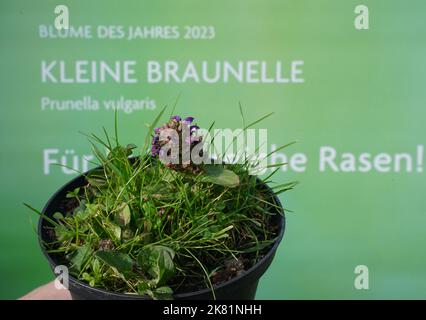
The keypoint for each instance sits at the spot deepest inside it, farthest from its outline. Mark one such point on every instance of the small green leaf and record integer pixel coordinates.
(123, 215)
(92, 209)
(118, 260)
(73, 194)
(166, 268)
(127, 234)
(131, 146)
(79, 211)
(62, 233)
(97, 181)
(143, 288)
(87, 277)
(217, 174)
(82, 214)
(157, 261)
(96, 267)
(97, 178)
(79, 257)
(58, 216)
(113, 230)
(149, 209)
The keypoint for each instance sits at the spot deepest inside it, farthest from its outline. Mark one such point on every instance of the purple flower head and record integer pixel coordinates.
(188, 120)
(193, 128)
(154, 150)
(175, 133)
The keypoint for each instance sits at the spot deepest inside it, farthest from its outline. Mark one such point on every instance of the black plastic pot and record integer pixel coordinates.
(241, 287)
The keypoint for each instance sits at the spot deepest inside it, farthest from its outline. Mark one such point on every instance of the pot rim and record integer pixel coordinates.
(185, 295)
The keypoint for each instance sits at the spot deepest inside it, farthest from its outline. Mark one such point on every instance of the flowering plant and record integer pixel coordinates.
(180, 134)
(161, 222)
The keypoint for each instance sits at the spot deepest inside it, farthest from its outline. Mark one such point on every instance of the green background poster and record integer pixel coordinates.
(353, 99)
